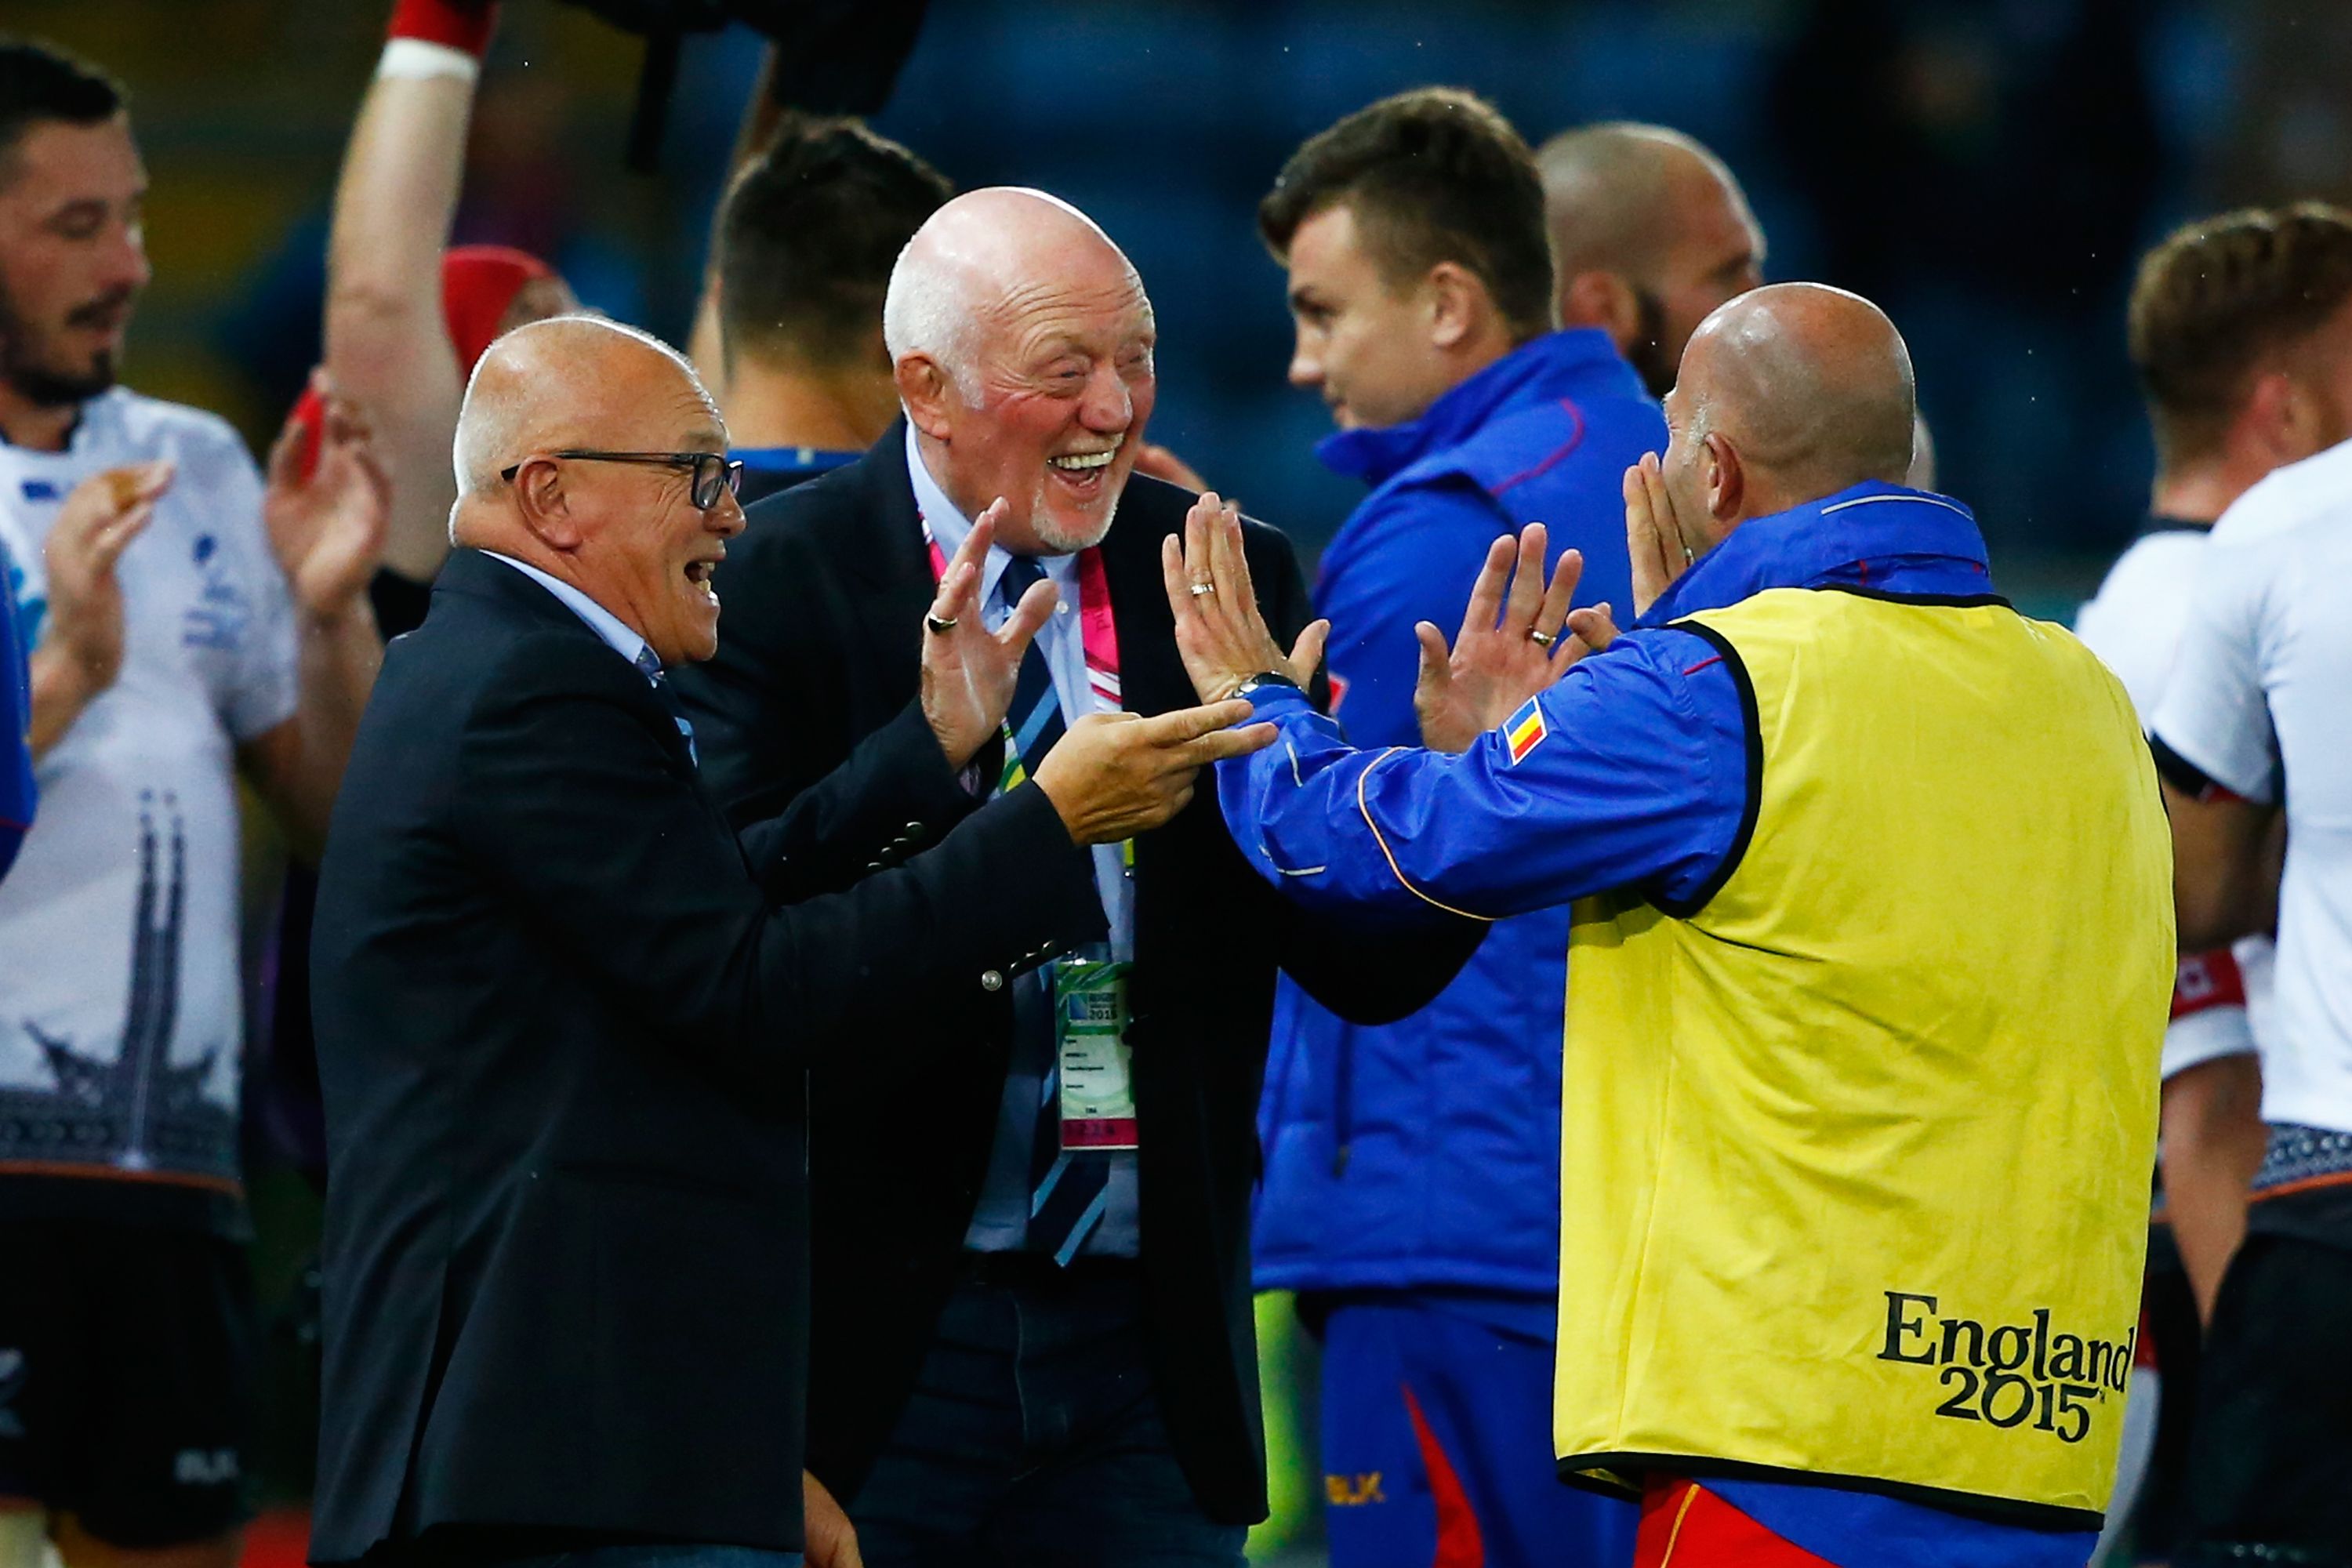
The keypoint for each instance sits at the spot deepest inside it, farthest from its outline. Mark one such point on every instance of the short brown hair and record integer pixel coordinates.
(807, 237)
(1432, 176)
(2219, 297)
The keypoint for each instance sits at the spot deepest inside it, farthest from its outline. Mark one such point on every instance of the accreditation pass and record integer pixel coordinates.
(1091, 1018)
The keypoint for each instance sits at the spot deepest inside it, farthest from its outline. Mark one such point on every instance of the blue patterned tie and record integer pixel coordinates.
(1067, 1192)
(650, 667)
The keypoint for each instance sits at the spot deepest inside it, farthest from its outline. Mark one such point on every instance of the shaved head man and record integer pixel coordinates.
(1849, 843)
(1649, 232)
(1788, 392)
(1022, 342)
(1031, 1312)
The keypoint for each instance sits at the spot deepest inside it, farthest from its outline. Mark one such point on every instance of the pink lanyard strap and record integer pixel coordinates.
(1097, 628)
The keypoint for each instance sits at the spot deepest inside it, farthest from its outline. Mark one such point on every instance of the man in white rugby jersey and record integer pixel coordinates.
(2252, 738)
(2239, 331)
(188, 625)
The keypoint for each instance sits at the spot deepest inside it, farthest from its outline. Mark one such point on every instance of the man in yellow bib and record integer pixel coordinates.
(1870, 965)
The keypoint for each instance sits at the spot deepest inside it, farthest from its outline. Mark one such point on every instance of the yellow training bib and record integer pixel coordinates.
(1855, 1153)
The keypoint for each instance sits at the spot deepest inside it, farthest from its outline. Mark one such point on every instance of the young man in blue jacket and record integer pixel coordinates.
(1412, 1191)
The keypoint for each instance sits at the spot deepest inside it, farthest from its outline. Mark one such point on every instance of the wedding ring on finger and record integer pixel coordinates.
(938, 626)
(1203, 588)
(1542, 640)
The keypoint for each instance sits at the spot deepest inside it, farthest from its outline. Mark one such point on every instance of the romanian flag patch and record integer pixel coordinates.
(1525, 732)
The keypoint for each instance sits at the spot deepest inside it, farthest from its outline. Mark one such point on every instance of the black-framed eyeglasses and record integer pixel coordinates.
(712, 471)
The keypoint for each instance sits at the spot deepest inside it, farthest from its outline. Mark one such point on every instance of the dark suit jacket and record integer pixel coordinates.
(824, 595)
(564, 1020)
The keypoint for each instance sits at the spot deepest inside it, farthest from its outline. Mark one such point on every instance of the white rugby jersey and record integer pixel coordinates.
(2135, 623)
(2259, 703)
(120, 1022)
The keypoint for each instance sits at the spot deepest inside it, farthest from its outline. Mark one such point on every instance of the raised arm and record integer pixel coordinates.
(387, 347)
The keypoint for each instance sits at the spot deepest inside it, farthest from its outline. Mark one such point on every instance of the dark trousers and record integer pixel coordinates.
(1034, 1437)
(2273, 1447)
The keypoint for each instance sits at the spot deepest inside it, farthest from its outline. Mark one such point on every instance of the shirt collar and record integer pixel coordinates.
(949, 527)
(600, 620)
(1874, 534)
(1582, 361)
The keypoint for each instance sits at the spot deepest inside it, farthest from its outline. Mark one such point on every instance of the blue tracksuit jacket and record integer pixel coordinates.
(1426, 1153)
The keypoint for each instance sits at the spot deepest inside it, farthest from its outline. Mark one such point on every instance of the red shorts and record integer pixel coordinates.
(1683, 1525)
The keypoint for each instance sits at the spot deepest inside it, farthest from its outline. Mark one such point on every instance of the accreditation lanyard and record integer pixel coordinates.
(1089, 989)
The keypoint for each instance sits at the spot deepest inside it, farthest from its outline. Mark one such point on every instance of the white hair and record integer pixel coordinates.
(928, 311)
(488, 424)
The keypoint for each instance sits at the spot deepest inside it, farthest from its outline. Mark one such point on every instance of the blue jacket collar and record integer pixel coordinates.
(1874, 535)
(1557, 364)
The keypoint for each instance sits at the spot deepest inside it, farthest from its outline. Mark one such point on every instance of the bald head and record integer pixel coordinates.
(1808, 386)
(978, 258)
(1650, 232)
(618, 457)
(568, 382)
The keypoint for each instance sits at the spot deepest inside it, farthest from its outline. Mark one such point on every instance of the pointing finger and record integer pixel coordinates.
(1191, 724)
(1223, 744)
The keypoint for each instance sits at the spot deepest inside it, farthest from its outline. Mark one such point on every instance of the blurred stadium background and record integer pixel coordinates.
(1986, 169)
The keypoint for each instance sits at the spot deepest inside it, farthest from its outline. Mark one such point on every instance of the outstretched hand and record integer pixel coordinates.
(1220, 634)
(1511, 645)
(968, 671)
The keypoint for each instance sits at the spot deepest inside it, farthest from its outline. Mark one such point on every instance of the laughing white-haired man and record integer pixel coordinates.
(1031, 1331)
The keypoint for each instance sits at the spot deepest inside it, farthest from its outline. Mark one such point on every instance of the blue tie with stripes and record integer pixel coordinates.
(1067, 1192)
(650, 667)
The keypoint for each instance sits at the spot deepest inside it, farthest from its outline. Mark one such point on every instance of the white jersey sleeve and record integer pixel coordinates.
(2213, 715)
(2135, 623)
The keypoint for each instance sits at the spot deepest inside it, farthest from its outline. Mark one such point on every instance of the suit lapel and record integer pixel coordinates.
(1152, 676)
(882, 542)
